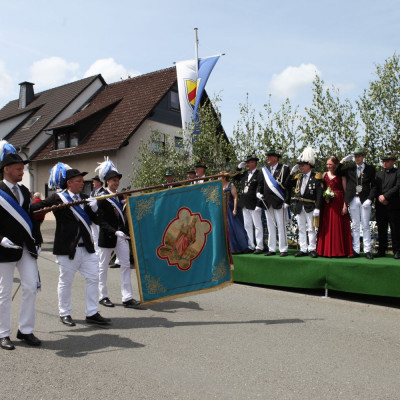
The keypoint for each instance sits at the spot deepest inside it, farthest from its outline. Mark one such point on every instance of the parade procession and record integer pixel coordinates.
(182, 234)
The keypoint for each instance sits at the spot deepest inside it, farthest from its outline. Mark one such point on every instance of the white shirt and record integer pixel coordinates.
(304, 182)
(10, 186)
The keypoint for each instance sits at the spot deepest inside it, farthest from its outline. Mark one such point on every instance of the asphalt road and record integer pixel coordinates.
(241, 342)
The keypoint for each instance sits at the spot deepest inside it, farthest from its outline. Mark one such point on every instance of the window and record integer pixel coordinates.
(65, 140)
(158, 144)
(178, 143)
(61, 141)
(174, 101)
(73, 139)
(31, 122)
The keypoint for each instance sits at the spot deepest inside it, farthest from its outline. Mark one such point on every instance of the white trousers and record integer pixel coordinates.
(360, 217)
(252, 221)
(95, 232)
(28, 272)
(88, 265)
(122, 252)
(276, 222)
(305, 221)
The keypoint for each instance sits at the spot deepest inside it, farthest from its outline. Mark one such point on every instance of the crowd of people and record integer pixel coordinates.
(330, 209)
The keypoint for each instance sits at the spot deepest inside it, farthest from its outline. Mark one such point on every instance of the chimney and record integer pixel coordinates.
(26, 94)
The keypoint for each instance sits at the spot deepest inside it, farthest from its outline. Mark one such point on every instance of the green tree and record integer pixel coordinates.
(159, 153)
(330, 126)
(379, 108)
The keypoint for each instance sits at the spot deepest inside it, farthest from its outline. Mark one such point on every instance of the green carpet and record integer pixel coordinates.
(380, 276)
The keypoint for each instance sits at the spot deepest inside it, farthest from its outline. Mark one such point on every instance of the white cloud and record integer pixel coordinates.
(6, 82)
(53, 71)
(292, 80)
(110, 70)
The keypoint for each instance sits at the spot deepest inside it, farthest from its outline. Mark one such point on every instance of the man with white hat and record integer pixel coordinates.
(114, 236)
(17, 250)
(309, 201)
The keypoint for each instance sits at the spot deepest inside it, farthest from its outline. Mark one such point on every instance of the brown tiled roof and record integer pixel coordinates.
(134, 100)
(47, 105)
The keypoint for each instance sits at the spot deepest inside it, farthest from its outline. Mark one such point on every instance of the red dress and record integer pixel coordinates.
(334, 233)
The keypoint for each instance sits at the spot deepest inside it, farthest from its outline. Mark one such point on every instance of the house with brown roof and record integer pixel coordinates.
(113, 124)
(24, 121)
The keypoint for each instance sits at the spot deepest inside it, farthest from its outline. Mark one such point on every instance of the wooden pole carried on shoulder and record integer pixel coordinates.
(57, 207)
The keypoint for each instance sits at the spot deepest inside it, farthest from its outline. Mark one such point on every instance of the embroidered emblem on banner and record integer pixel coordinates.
(184, 239)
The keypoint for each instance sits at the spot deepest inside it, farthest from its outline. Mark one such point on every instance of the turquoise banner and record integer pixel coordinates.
(179, 240)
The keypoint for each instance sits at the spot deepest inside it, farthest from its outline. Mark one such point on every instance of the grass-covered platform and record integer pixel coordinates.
(380, 276)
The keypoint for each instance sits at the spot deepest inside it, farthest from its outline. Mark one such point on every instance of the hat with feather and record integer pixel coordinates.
(8, 155)
(307, 157)
(107, 170)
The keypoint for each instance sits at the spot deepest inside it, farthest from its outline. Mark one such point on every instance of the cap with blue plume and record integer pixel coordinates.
(6, 148)
(9, 155)
(58, 176)
(107, 170)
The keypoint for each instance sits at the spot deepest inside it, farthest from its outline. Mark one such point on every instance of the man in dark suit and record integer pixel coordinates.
(387, 205)
(309, 200)
(273, 193)
(250, 204)
(73, 246)
(17, 250)
(359, 195)
(114, 236)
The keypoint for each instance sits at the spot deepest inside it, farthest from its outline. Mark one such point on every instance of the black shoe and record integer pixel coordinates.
(284, 254)
(115, 266)
(29, 338)
(247, 251)
(6, 343)
(397, 255)
(97, 319)
(355, 255)
(380, 254)
(369, 256)
(300, 254)
(270, 253)
(67, 320)
(106, 302)
(132, 303)
(313, 254)
(257, 251)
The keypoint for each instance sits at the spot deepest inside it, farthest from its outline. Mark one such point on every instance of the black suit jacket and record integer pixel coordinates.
(313, 191)
(110, 221)
(281, 174)
(368, 181)
(249, 200)
(12, 230)
(69, 229)
(388, 184)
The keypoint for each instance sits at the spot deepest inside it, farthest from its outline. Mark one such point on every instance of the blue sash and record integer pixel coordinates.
(17, 212)
(118, 206)
(273, 184)
(77, 210)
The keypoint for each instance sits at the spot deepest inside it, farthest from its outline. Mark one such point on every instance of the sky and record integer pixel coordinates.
(271, 47)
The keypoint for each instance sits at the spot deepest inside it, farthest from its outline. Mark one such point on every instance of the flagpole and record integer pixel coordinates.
(196, 49)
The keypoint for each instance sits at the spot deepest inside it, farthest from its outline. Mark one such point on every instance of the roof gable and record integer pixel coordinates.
(133, 101)
(47, 104)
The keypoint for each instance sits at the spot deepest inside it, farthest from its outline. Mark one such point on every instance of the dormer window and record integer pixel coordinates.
(66, 140)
